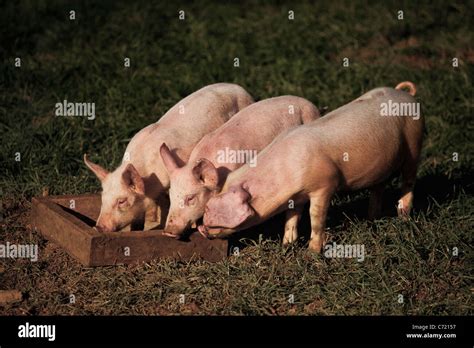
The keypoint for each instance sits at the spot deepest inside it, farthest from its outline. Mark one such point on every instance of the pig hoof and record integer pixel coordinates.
(315, 246)
(404, 214)
(287, 242)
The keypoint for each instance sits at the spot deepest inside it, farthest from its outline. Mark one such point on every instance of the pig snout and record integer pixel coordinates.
(209, 228)
(210, 232)
(174, 227)
(228, 210)
(105, 223)
(171, 235)
(171, 232)
(203, 231)
(207, 218)
(104, 228)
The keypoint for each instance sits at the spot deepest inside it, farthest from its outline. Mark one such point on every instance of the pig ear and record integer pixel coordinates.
(100, 172)
(133, 180)
(229, 210)
(168, 159)
(205, 172)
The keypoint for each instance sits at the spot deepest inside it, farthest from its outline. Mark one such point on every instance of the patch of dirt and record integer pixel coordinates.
(468, 55)
(45, 57)
(410, 42)
(372, 52)
(367, 52)
(317, 306)
(418, 62)
(41, 120)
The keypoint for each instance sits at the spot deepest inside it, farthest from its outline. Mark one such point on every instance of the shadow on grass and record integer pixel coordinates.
(437, 187)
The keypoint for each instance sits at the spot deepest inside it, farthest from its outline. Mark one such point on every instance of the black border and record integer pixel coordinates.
(195, 330)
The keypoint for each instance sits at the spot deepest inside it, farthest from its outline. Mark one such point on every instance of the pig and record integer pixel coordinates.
(247, 133)
(134, 193)
(356, 146)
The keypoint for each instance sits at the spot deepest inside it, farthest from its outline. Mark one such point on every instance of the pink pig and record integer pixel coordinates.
(356, 146)
(224, 150)
(132, 194)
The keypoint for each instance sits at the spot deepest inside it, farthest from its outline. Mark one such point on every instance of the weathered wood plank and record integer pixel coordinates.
(132, 247)
(68, 231)
(72, 230)
(88, 205)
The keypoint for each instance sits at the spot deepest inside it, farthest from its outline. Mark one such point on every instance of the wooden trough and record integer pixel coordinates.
(72, 230)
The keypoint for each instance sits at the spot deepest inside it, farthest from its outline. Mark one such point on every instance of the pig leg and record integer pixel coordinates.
(291, 225)
(319, 204)
(375, 201)
(408, 183)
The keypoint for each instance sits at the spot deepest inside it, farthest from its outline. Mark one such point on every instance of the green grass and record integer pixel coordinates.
(82, 60)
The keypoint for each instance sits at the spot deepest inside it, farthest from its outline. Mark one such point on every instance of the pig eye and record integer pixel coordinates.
(189, 199)
(122, 202)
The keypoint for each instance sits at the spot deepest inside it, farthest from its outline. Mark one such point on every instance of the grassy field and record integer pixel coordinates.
(83, 60)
